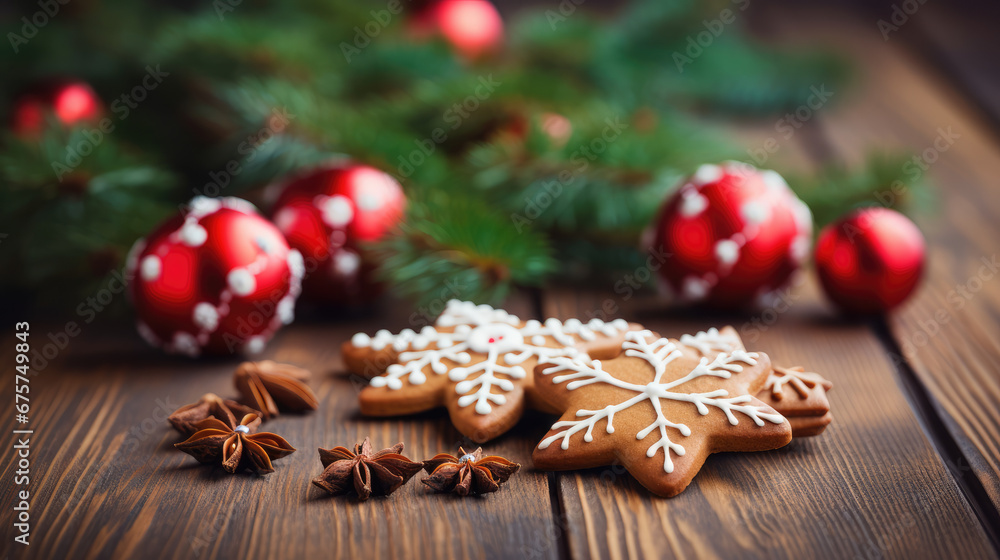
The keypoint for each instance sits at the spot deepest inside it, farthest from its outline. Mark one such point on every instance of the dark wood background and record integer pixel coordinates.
(908, 469)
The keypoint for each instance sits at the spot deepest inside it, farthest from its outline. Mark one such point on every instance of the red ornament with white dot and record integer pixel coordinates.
(216, 279)
(732, 235)
(70, 102)
(870, 261)
(329, 214)
(473, 27)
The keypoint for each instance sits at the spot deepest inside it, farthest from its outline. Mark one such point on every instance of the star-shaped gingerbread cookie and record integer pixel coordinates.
(475, 361)
(657, 410)
(797, 394)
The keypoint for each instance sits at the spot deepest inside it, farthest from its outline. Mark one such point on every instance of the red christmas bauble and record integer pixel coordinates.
(70, 101)
(328, 214)
(870, 260)
(217, 278)
(473, 27)
(731, 235)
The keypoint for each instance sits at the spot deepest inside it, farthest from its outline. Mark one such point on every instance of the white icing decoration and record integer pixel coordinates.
(774, 181)
(755, 212)
(255, 345)
(346, 263)
(286, 309)
(800, 381)
(369, 202)
(206, 316)
(692, 204)
(709, 342)
(296, 265)
(185, 343)
(707, 173)
(201, 206)
(150, 268)
(695, 289)
(337, 210)
(474, 327)
(192, 234)
(658, 353)
(241, 281)
(727, 251)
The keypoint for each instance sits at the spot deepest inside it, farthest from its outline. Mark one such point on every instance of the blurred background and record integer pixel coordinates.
(119, 112)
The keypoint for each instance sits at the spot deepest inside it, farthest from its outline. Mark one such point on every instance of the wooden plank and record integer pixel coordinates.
(108, 483)
(949, 339)
(870, 486)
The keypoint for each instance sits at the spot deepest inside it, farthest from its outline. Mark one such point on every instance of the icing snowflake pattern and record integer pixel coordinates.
(480, 329)
(658, 352)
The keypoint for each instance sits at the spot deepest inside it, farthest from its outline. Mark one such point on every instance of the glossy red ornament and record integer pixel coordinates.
(216, 279)
(71, 102)
(473, 27)
(731, 235)
(328, 214)
(870, 260)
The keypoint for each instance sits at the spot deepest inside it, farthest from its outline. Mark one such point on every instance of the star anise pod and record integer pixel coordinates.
(235, 447)
(366, 473)
(210, 405)
(471, 473)
(267, 385)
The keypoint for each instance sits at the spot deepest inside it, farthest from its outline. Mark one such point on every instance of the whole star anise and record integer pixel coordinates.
(265, 385)
(210, 405)
(235, 447)
(470, 473)
(367, 473)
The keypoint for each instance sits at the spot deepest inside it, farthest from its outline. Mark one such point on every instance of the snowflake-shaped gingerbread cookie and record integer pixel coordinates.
(657, 410)
(475, 360)
(796, 394)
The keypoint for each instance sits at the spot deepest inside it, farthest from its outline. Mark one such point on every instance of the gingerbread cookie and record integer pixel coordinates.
(656, 409)
(797, 394)
(475, 361)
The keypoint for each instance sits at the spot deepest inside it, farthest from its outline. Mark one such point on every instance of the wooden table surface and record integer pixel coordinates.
(910, 468)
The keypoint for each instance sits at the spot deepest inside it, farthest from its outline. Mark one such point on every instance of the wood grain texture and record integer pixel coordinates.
(870, 486)
(948, 333)
(108, 483)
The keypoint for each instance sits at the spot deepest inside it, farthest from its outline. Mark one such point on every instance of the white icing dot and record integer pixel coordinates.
(241, 281)
(695, 289)
(378, 382)
(538, 340)
(286, 309)
(202, 206)
(707, 173)
(264, 244)
(206, 316)
(727, 251)
(337, 210)
(239, 205)
(296, 265)
(755, 211)
(184, 343)
(192, 234)
(147, 334)
(799, 249)
(773, 181)
(692, 204)
(284, 219)
(255, 345)
(150, 268)
(346, 263)
(369, 202)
